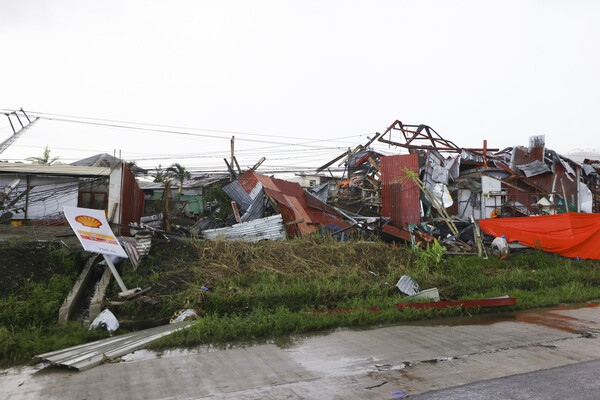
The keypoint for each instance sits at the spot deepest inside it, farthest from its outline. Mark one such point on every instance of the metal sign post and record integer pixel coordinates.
(115, 273)
(94, 233)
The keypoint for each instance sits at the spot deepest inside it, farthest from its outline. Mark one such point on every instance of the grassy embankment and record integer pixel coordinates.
(29, 314)
(268, 289)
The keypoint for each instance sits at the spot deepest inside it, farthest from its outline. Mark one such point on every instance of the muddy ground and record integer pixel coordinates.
(26, 254)
(28, 233)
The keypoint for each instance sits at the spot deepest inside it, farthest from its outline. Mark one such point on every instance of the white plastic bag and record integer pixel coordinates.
(107, 320)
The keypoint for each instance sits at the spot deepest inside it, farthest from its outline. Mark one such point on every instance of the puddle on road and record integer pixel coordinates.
(552, 319)
(548, 317)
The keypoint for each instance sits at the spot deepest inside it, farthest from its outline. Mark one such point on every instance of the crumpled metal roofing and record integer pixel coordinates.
(293, 203)
(89, 355)
(269, 228)
(256, 209)
(320, 192)
(534, 168)
(243, 194)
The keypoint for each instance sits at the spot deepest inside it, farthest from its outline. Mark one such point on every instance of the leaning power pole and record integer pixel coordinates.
(16, 133)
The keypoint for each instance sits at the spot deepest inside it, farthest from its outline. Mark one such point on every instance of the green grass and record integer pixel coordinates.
(28, 317)
(19, 345)
(269, 289)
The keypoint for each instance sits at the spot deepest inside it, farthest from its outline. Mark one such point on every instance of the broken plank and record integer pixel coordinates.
(330, 163)
(374, 164)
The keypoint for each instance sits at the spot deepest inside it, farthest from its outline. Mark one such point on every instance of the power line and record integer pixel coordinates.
(178, 132)
(40, 113)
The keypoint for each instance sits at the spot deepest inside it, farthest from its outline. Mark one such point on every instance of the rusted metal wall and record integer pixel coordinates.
(400, 199)
(544, 181)
(132, 198)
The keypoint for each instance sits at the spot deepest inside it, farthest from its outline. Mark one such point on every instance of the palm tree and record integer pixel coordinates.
(44, 159)
(159, 174)
(178, 172)
(136, 170)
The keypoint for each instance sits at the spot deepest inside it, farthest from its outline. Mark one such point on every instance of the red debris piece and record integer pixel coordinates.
(502, 301)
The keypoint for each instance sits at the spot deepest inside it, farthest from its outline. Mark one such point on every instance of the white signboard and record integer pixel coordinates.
(93, 231)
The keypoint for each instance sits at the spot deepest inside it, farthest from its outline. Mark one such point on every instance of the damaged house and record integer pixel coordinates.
(434, 189)
(38, 192)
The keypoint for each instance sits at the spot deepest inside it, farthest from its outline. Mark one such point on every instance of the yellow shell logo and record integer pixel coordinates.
(88, 221)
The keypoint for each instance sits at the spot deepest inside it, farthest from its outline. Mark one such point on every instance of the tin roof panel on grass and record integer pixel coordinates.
(89, 355)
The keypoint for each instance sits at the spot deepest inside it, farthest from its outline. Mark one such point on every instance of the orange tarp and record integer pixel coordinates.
(570, 234)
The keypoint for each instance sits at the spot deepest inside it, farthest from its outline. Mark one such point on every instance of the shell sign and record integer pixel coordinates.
(93, 231)
(88, 221)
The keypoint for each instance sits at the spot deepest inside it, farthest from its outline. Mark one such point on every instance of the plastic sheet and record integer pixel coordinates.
(570, 234)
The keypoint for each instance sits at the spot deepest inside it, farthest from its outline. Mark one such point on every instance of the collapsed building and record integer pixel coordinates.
(439, 187)
(432, 189)
(434, 181)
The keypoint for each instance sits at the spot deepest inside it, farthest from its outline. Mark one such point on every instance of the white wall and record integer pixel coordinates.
(490, 199)
(48, 196)
(114, 194)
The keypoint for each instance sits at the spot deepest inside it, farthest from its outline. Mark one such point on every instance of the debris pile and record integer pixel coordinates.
(432, 190)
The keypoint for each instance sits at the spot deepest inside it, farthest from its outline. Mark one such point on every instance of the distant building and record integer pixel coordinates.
(311, 181)
(191, 200)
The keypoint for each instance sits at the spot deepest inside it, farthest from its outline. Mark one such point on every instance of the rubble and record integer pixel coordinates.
(440, 190)
(433, 189)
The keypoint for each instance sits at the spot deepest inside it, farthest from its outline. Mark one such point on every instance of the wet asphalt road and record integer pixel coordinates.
(573, 382)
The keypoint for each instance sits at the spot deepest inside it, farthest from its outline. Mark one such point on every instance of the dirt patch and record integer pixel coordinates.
(29, 262)
(28, 233)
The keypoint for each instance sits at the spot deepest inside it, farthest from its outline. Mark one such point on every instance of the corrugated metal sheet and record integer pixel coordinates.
(534, 168)
(89, 355)
(548, 183)
(132, 199)
(243, 195)
(322, 192)
(400, 199)
(59, 169)
(269, 228)
(291, 199)
(256, 209)
(466, 155)
(247, 181)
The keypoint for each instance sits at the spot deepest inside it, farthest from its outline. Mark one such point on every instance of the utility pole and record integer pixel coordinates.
(166, 211)
(16, 134)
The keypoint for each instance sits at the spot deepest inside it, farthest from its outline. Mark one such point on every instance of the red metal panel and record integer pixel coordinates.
(132, 198)
(248, 181)
(504, 301)
(293, 206)
(397, 232)
(545, 181)
(400, 198)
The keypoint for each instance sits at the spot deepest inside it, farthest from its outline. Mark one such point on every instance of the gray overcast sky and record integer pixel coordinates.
(307, 71)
